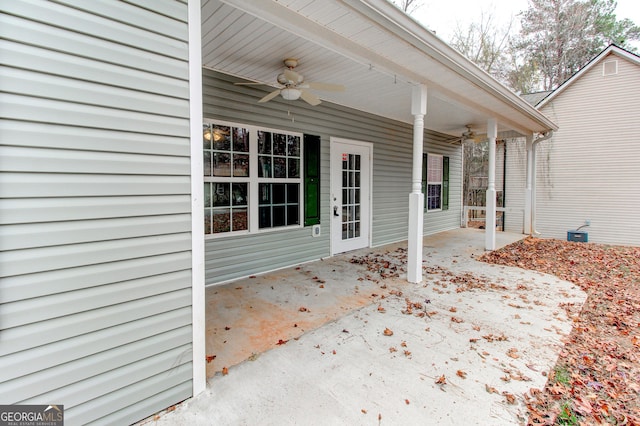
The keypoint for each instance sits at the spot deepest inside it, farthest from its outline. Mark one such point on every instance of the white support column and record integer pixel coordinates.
(490, 224)
(416, 198)
(197, 203)
(528, 190)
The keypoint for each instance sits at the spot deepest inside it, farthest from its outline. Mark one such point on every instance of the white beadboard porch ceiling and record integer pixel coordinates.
(376, 51)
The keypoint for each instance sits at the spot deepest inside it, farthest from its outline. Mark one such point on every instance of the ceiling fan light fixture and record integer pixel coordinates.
(290, 94)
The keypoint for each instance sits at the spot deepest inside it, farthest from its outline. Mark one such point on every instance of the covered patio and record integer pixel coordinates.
(346, 339)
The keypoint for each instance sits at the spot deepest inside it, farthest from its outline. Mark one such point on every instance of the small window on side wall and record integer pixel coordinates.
(435, 182)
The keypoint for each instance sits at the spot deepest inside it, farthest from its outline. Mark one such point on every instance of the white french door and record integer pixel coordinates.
(350, 195)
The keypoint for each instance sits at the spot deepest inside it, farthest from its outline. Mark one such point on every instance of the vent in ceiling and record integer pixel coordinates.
(610, 68)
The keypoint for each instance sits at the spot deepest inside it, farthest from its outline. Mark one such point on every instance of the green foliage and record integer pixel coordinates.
(562, 375)
(567, 417)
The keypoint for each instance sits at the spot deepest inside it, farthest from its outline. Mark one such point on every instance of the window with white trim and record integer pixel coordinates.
(435, 182)
(252, 178)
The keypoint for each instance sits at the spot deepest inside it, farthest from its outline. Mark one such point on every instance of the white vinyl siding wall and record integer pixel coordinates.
(588, 170)
(516, 184)
(234, 257)
(95, 244)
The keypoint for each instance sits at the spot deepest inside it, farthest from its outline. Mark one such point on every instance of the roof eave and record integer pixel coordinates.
(411, 31)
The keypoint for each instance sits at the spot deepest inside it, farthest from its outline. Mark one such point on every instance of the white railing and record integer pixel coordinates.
(467, 209)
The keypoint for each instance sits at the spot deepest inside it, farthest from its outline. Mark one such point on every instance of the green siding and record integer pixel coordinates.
(95, 243)
(228, 258)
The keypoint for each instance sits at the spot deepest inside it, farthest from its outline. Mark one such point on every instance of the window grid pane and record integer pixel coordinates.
(226, 156)
(225, 151)
(434, 182)
(351, 196)
(226, 207)
(279, 205)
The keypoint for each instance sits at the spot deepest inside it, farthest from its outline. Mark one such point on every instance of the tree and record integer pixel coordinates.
(485, 44)
(558, 37)
(408, 6)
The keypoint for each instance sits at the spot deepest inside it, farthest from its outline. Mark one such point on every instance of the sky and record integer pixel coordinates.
(443, 16)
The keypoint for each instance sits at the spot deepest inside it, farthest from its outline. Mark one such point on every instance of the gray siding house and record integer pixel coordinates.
(134, 171)
(587, 172)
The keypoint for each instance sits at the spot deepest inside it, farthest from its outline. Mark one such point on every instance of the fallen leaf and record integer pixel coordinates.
(225, 371)
(461, 374)
(491, 389)
(210, 358)
(406, 401)
(363, 411)
(456, 319)
(388, 332)
(442, 380)
(281, 342)
(513, 353)
(303, 309)
(511, 399)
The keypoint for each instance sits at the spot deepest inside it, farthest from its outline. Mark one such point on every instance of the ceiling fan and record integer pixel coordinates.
(294, 86)
(468, 135)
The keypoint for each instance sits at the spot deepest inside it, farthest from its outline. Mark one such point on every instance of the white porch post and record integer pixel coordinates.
(416, 199)
(490, 224)
(528, 190)
(199, 325)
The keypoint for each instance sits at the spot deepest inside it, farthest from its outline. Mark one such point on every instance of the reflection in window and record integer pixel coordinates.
(225, 207)
(278, 155)
(279, 204)
(230, 153)
(226, 151)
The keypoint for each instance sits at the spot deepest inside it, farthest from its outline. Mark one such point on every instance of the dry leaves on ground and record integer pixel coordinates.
(597, 376)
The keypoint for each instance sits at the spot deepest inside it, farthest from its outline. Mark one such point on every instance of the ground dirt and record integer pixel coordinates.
(596, 380)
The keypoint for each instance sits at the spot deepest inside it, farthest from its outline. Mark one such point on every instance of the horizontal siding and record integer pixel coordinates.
(589, 169)
(516, 184)
(228, 258)
(436, 221)
(95, 207)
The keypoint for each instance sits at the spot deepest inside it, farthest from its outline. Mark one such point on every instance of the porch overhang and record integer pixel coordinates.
(372, 48)
(381, 55)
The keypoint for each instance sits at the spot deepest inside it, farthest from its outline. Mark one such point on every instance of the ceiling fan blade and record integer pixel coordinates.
(309, 98)
(270, 96)
(326, 86)
(293, 76)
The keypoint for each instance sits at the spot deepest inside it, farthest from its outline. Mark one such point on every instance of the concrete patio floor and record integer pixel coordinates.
(347, 341)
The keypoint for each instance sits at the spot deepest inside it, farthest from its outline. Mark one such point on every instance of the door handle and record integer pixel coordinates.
(335, 211)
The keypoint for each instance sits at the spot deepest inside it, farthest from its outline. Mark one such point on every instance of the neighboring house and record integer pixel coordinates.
(118, 206)
(589, 170)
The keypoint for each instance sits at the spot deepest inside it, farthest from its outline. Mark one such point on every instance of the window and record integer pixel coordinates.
(435, 182)
(253, 179)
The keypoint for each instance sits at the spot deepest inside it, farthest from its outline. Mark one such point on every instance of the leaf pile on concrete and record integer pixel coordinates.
(381, 267)
(596, 380)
